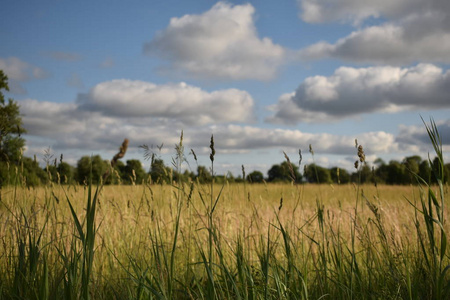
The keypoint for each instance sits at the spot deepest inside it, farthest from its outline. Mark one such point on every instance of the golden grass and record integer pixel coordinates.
(126, 213)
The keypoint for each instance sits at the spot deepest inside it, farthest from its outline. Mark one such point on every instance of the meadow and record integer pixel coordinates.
(188, 240)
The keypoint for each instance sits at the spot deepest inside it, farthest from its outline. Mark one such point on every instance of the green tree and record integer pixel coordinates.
(282, 173)
(340, 176)
(397, 173)
(425, 171)
(159, 173)
(381, 170)
(133, 172)
(365, 174)
(203, 174)
(62, 173)
(255, 177)
(412, 165)
(317, 174)
(26, 173)
(84, 165)
(11, 127)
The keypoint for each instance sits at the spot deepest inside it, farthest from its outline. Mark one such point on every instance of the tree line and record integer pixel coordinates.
(14, 168)
(27, 171)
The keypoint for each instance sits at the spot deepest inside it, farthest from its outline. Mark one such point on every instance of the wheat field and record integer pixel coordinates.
(262, 241)
(187, 240)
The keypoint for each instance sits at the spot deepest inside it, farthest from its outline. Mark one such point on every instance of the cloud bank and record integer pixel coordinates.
(412, 31)
(350, 92)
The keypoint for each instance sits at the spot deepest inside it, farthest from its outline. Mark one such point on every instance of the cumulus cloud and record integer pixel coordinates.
(355, 11)
(66, 127)
(350, 92)
(220, 43)
(417, 136)
(169, 102)
(19, 71)
(251, 138)
(414, 30)
(142, 111)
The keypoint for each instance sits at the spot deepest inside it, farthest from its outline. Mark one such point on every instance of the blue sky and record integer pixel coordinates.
(262, 76)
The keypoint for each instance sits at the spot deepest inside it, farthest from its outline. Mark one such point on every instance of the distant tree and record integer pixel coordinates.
(27, 173)
(381, 170)
(99, 167)
(340, 176)
(255, 177)
(365, 174)
(412, 166)
(397, 173)
(282, 173)
(186, 176)
(317, 174)
(11, 127)
(425, 171)
(159, 173)
(132, 172)
(203, 174)
(62, 173)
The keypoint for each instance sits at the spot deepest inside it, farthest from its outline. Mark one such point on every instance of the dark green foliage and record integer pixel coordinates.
(11, 127)
(159, 173)
(26, 172)
(339, 176)
(99, 167)
(63, 173)
(203, 175)
(132, 172)
(284, 173)
(317, 174)
(255, 177)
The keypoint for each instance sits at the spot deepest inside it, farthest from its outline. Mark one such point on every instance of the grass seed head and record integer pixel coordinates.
(213, 151)
(361, 155)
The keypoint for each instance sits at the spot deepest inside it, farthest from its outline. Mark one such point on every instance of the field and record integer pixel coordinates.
(188, 240)
(231, 241)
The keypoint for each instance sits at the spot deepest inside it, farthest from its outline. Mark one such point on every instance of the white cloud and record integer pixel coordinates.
(73, 130)
(414, 30)
(19, 71)
(356, 11)
(350, 92)
(220, 43)
(141, 111)
(417, 136)
(251, 138)
(67, 129)
(169, 102)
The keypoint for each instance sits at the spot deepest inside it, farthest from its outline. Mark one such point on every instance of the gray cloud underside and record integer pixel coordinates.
(417, 135)
(350, 92)
(179, 102)
(415, 30)
(67, 129)
(221, 43)
(356, 11)
(72, 128)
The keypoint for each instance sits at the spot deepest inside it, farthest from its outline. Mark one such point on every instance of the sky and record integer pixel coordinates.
(261, 76)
